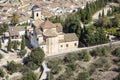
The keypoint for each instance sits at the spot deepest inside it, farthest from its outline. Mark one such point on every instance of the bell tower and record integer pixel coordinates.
(36, 12)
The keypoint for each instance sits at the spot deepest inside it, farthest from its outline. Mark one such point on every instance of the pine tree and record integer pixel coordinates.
(9, 45)
(23, 43)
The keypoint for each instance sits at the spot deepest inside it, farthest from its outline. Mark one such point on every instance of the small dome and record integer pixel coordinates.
(36, 7)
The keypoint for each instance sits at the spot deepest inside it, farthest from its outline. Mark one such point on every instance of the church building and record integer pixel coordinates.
(50, 36)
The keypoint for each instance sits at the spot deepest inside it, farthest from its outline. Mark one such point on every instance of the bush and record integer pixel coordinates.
(100, 62)
(29, 76)
(11, 67)
(107, 66)
(32, 65)
(116, 52)
(19, 67)
(25, 69)
(0, 45)
(22, 53)
(100, 51)
(69, 71)
(15, 44)
(1, 73)
(91, 70)
(63, 77)
(1, 56)
(117, 77)
(72, 65)
(54, 66)
(84, 55)
(70, 57)
(83, 76)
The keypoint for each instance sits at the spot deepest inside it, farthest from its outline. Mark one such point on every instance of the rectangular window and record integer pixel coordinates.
(37, 14)
(66, 45)
(75, 44)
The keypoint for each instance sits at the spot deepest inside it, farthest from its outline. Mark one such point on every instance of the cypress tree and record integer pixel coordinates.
(9, 45)
(15, 45)
(23, 43)
(103, 13)
(109, 12)
(100, 15)
(0, 45)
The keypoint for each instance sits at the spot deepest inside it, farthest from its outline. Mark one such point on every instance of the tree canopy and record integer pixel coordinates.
(23, 43)
(35, 58)
(3, 28)
(2, 73)
(9, 46)
(29, 76)
(15, 19)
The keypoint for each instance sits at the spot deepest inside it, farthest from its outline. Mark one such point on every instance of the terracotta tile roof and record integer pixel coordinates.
(69, 37)
(38, 31)
(59, 27)
(37, 23)
(15, 30)
(50, 33)
(47, 25)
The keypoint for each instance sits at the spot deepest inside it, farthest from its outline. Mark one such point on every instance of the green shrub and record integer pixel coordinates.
(91, 70)
(117, 77)
(1, 56)
(54, 66)
(15, 44)
(84, 55)
(100, 51)
(2, 73)
(116, 52)
(29, 76)
(62, 77)
(72, 65)
(22, 53)
(70, 57)
(100, 62)
(11, 67)
(83, 76)
(69, 71)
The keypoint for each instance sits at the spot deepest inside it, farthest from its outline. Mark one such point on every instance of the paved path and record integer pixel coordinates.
(45, 71)
(96, 15)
